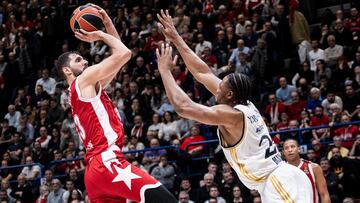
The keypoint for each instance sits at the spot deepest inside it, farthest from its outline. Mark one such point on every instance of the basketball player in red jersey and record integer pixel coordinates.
(108, 177)
(312, 170)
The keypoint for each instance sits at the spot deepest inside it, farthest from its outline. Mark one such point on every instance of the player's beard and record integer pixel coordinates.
(77, 72)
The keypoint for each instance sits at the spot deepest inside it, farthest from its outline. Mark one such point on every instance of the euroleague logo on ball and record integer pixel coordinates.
(86, 17)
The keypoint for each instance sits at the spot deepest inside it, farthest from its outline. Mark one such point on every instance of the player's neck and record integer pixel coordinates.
(70, 79)
(295, 162)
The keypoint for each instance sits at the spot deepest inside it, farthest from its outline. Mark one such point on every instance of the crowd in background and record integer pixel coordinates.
(302, 77)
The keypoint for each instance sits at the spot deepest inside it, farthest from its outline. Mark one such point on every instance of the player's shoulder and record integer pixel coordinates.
(314, 166)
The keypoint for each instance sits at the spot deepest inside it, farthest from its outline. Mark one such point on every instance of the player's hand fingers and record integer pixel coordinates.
(162, 49)
(79, 36)
(157, 53)
(167, 49)
(176, 58)
(162, 13)
(84, 32)
(161, 19)
(162, 29)
(167, 13)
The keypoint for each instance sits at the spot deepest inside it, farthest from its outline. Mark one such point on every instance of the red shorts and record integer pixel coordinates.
(110, 178)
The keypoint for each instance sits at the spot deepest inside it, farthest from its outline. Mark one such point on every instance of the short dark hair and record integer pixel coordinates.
(292, 139)
(62, 61)
(240, 84)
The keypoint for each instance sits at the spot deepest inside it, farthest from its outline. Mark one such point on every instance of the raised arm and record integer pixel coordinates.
(111, 30)
(197, 67)
(109, 66)
(184, 106)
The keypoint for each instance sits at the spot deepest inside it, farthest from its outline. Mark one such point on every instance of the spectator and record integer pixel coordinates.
(44, 193)
(320, 119)
(152, 158)
(27, 129)
(321, 71)
(31, 172)
(139, 129)
(16, 147)
(303, 73)
(5, 174)
(353, 23)
(330, 99)
(183, 126)
(22, 191)
(185, 185)
(237, 195)
(164, 172)
(315, 54)
(214, 193)
(347, 133)
(5, 187)
(342, 72)
(98, 48)
(47, 179)
(13, 116)
(296, 107)
(314, 100)
(342, 34)
(56, 195)
(180, 20)
(67, 196)
(40, 154)
(331, 179)
(76, 197)
(226, 188)
(193, 150)
(250, 37)
(317, 152)
(346, 169)
(355, 149)
(180, 76)
(241, 25)
(48, 83)
(168, 128)
(202, 43)
(243, 66)
(241, 48)
(344, 152)
(44, 137)
(274, 109)
(184, 197)
(204, 190)
(351, 99)
(77, 179)
(283, 94)
(333, 52)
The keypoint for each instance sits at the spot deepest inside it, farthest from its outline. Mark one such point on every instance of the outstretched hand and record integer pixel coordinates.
(88, 36)
(166, 25)
(105, 16)
(164, 58)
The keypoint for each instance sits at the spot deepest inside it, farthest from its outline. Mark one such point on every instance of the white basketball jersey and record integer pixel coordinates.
(255, 156)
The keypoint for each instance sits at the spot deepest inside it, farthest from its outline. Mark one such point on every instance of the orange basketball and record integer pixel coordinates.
(86, 17)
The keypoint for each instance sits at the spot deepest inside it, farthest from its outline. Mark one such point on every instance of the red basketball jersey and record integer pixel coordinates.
(305, 166)
(97, 121)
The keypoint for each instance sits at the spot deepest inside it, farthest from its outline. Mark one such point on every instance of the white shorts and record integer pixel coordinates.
(287, 184)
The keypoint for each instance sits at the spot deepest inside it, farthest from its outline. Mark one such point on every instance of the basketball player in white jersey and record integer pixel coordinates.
(242, 132)
(312, 170)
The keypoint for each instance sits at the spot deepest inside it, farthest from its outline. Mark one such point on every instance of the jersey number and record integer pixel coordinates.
(271, 150)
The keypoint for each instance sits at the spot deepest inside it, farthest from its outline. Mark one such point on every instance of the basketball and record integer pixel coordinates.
(86, 17)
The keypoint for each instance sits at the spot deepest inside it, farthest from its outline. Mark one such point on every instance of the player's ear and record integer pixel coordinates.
(67, 71)
(230, 95)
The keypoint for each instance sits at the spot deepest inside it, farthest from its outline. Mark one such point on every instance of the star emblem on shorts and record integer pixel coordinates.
(125, 175)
